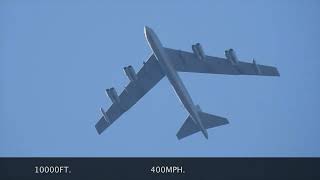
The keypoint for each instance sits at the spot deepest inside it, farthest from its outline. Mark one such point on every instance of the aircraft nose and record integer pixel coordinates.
(146, 30)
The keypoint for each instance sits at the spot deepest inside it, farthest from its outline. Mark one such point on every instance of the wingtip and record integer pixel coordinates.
(178, 137)
(97, 129)
(101, 125)
(227, 121)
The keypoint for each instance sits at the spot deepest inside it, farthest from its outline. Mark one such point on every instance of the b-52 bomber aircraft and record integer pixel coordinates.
(168, 62)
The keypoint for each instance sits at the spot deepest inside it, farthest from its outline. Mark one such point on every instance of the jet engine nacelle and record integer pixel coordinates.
(231, 56)
(112, 93)
(130, 73)
(198, 51)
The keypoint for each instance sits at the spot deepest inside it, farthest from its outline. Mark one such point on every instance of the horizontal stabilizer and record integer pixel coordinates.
(209, 121)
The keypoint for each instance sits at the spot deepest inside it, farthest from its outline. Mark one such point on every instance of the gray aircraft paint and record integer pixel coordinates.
(168, 62)
(173, 77)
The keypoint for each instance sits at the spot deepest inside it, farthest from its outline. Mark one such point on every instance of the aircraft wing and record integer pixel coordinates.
(148, 76)
(188, 62)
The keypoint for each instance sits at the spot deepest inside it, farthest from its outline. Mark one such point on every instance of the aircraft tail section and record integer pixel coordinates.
(189, 127)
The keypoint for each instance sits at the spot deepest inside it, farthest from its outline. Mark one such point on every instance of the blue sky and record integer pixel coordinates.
(57, 58)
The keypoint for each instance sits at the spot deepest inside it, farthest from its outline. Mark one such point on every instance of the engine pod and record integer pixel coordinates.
(112, 93)
(130, 72)
(198, 51)
(231, 56)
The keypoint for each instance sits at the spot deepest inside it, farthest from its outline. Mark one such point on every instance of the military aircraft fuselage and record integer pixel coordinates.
(173, 77)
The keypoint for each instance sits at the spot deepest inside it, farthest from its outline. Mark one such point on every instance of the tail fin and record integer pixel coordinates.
(209, 121)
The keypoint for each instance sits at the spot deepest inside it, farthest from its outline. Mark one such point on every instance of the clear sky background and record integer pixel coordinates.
(57, 58)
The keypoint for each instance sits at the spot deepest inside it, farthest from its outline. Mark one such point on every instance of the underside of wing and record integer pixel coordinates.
(140, 83)
(192, 62)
